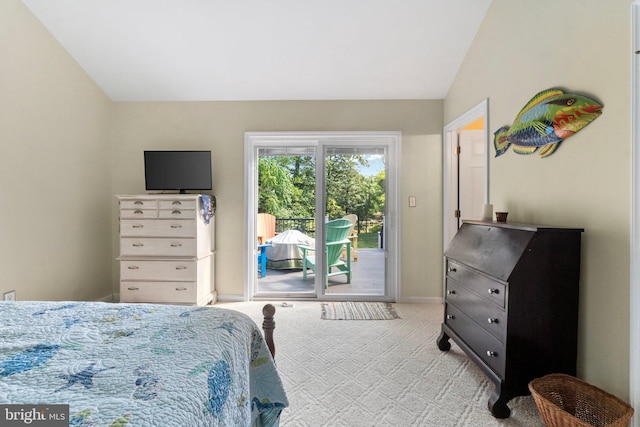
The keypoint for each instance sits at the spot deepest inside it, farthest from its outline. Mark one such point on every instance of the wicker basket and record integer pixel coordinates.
(564, 400)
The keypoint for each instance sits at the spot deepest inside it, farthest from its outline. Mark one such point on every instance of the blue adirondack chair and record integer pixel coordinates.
(336, 236)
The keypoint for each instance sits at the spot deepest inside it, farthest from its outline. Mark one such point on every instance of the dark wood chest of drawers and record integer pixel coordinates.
(511, 303)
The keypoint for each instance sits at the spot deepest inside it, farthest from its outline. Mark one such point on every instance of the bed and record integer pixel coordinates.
(140, 364)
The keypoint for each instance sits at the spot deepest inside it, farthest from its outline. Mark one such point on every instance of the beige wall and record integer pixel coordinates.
(220, 126)
(55, 167)
(421, 243)
(581, 46)
(67, 150)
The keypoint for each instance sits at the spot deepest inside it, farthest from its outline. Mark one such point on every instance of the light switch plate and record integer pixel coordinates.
(10, 296)
(412, 201)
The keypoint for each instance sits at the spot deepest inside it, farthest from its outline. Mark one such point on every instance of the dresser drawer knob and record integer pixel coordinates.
(176, 212)
(492, 353)
(176, 245)
(452, 269)
(181, 267)
(492, 320)
(138, 226)
(450, 316)
(451, 292)
(494, 291)
(176, 226)
(133, 267)
(138, 245)
(133, 288)
(181, 289)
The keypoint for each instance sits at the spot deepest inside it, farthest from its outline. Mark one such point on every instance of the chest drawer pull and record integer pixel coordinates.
(176, 212)
(138, 245)
(138, 203)
(138, 212)
(176, 202)
(492, 320)
(451, 292)
(450, 316)
(452, 269)
(137, 226)
(133, 288)
(493, 291)
(181, 289)
(492, 353)
(133, 267)
(176, 226)
(181, 267)
(176, 245)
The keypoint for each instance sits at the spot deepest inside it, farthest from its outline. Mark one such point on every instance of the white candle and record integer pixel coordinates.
(487, 212)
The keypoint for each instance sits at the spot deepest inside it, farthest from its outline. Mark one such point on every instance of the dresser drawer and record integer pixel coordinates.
(141, 213)
(487, 347)
(158, 270)
(484, 286)
(178, 204)
(143, 246)
(491, 318)
(157, 228)
(138, 204)
(158, 292)
(176, 213)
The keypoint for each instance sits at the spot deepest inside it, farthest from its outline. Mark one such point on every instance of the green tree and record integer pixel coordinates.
(303, 177)
(343, 184)
(275, 189)
(287, 187)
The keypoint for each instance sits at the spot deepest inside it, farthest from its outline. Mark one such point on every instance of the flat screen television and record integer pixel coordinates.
(177, 170)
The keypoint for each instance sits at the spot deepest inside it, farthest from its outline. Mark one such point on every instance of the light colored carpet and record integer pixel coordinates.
(358, 311)
(362, 374)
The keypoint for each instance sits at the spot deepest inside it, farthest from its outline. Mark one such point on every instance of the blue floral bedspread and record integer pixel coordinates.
(139, 364)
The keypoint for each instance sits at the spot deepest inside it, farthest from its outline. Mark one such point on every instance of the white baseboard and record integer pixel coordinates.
(110, 298)
(231, 298)
(420, 300)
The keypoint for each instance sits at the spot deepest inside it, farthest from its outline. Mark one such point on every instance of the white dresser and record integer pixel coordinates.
(166, 250)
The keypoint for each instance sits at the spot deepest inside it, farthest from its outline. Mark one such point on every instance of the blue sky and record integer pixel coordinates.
(376, 164)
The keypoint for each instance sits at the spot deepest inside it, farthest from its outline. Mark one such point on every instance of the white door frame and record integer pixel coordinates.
(449, 141)
(634, 282)
(253, 141)
(450, 137)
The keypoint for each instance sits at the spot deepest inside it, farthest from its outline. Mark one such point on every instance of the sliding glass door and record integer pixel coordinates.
(328, 203)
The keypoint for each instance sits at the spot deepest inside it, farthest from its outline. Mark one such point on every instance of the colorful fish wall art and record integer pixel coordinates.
(545, 121)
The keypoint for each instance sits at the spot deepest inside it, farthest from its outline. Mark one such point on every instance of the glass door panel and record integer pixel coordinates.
(355, 190)
(286, 220)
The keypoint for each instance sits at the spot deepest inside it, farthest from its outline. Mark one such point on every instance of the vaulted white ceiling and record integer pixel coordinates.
(161, 50)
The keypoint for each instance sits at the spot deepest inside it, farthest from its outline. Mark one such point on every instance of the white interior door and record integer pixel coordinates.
(450, 167)
(471, 173)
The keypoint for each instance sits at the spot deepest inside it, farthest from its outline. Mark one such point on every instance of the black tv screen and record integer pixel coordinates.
(177, 170)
